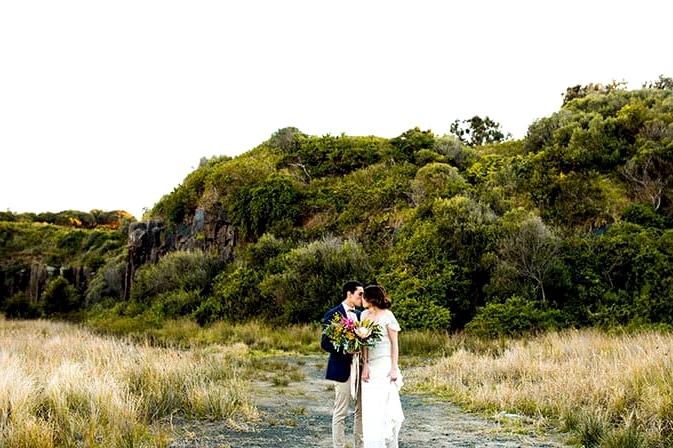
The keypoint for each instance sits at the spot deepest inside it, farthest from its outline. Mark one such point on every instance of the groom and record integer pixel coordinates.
(339, 369)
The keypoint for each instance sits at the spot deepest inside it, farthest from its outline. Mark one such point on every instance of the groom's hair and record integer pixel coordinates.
(350, 286)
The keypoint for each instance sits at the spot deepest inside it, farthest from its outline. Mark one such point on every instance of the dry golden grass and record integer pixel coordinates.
(64, 386)
(580, 379)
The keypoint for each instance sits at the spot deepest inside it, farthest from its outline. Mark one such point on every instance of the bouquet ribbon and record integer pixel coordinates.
(355, 374)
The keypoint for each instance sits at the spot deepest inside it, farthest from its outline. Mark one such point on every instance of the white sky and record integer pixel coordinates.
(111, 104)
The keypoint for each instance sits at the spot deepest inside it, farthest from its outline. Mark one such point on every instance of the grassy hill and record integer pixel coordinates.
(568, 227)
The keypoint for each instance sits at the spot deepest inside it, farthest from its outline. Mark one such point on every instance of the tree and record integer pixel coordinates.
(663, 83)
(412, 142)
(530, 251)
(60, 297)
(271, 205)
(478, 131)
(284, 139)
(436, 180)
(647, 177)
(311, 278)
(580, 91)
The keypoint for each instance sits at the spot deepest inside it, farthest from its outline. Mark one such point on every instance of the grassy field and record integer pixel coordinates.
(64, 385)
(611, 391)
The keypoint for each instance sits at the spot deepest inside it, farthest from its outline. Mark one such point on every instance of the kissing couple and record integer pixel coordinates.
(369, 377)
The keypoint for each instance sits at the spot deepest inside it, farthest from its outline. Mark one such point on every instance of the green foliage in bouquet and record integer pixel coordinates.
(351, 335)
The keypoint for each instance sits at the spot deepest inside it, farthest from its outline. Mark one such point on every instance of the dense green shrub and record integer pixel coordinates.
(451, 150)
(365, 198)
(410, 144)
(8, 216)
(236, 297)
(60, 297)
(331, 156)
(311, 280)
(414, 304)
(620, 276)
(437, 180)
(644, 215)
(177, 303)
(19, 307)
(513, 318)
(443, 247)
(262, 254)
(276, 203)
(180, 270)
(184, 199)
(236, 293)
(292, 287)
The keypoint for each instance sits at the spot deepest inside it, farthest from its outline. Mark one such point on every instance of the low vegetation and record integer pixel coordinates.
(64, 385)
(610, 391)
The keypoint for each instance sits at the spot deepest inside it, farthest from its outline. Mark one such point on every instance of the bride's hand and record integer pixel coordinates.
(393, 374)
(365, 374)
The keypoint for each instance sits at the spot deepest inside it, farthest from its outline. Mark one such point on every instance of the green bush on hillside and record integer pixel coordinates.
(311, 280)
(177, 271)
(514, 318)
(236, 298)
(19, 307)
(60, 297)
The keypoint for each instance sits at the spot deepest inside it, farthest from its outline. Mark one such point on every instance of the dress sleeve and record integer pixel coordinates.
(391, 322)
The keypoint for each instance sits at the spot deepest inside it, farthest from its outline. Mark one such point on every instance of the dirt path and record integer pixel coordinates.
(299, 415)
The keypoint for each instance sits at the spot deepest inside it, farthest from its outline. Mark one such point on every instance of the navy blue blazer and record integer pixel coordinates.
(339, 363)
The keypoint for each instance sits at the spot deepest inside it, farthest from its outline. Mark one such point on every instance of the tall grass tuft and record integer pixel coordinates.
(429, 343)
(64, 386)
(606, 389)
(263, 337)
(184, 333)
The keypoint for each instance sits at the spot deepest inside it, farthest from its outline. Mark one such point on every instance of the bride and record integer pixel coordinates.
(382, 413)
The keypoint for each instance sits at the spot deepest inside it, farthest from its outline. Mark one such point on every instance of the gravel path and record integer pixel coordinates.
(299, 415)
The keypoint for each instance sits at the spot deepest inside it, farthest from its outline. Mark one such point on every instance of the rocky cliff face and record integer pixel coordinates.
(210, 231)
(148, 241)
(34, 279)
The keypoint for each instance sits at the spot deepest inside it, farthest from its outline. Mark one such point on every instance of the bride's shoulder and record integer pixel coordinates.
(388, 316)
(391, 320)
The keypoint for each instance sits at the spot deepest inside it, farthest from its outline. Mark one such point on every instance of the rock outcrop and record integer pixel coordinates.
(210, 231)
(34, 279)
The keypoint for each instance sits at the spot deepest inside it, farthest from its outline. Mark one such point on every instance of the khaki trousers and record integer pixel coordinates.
(342, 399)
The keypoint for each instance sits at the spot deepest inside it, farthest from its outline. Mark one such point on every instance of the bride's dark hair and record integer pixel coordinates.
(377, 296)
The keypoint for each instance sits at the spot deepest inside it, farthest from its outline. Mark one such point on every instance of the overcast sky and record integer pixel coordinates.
(111, 104)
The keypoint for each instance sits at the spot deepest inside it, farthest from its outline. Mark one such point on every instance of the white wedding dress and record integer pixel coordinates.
(382, 414)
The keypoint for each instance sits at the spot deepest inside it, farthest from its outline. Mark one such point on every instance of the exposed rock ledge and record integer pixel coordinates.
(148, 241)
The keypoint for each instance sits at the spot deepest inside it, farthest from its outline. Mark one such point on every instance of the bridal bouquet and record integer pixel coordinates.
(352, 335)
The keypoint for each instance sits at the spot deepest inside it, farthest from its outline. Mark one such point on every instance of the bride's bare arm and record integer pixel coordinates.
(364, 374)
(394, 354)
